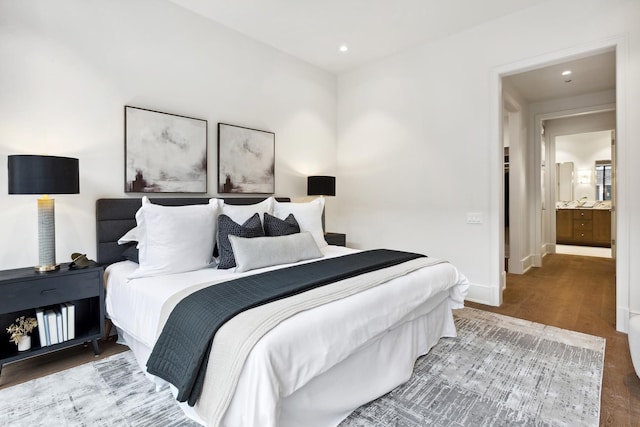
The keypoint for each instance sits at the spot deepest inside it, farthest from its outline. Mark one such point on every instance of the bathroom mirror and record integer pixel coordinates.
(564, 177)
(603, 179)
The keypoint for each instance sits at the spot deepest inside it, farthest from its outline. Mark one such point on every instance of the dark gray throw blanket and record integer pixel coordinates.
(181, 353)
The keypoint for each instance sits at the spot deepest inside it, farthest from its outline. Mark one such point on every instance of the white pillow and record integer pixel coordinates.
(136, 234)
(241, 213)
(308, 215)
(176, 238)
(258, 252)
(129, 236)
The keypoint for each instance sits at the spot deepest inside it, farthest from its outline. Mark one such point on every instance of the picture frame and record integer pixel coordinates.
(246, 160)
(164, 153)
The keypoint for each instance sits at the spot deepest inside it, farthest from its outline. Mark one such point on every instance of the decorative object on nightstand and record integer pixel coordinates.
(44, 175)
(336, 239)
(20, 331)
(67, 304)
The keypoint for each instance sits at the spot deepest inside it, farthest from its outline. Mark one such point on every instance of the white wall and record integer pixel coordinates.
(415, 134)
(70, 66)
(583, 149)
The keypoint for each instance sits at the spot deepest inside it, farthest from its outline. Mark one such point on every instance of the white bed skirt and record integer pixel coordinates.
(329, 398)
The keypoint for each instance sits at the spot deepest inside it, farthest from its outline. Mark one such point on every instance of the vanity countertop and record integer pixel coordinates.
(602, 205)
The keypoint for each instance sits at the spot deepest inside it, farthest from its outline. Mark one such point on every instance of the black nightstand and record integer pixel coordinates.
(24, 290)
(337, 239)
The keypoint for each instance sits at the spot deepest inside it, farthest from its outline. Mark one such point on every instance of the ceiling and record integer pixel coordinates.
(590, 74)
(313, 30)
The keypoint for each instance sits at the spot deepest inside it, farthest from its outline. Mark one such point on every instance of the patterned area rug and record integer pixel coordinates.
(499, 371)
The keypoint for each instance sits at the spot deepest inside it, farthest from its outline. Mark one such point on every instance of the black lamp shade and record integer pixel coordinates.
(321, 185)
(43, 175)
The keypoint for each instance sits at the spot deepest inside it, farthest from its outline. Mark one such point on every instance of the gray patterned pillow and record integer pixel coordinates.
(280, 227)
(273, 250)
(226, 226)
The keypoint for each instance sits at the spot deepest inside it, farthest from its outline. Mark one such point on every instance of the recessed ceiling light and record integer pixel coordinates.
(344, 48)
(566, 72)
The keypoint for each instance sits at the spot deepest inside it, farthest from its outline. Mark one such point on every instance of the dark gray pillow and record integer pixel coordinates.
(131, 253)
(280, 227)
(226, 226)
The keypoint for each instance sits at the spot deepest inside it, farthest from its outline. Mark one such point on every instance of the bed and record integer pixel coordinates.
(316, 365)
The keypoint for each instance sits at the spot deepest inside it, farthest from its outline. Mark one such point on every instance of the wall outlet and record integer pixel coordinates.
(474, 217)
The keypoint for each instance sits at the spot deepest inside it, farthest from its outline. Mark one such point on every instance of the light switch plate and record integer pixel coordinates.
(474, 217)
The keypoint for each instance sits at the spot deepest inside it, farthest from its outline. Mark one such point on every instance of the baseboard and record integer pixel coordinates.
(482, 294)
(520, 266)
(535, 261)
(622, 319)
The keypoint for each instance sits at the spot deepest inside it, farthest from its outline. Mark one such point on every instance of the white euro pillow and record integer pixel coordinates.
(308, 215)
(241, 213)
(176, 238)
(257, 252)
(129, 236)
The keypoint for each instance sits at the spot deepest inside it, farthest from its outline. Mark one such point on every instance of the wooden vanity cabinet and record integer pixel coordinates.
(586, 227)
(602, 227)
(564, 225)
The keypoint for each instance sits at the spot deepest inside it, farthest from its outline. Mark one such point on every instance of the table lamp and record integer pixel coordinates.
(321, 185)
(44, 175)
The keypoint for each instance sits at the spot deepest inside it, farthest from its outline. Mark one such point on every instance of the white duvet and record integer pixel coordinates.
(306, 346)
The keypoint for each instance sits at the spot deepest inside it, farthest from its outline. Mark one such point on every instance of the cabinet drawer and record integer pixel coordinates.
(582, 214)
(43, 291)
(583, 235)
(582, 224)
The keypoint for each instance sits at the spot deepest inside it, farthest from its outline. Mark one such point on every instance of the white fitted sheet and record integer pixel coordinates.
(286, 374)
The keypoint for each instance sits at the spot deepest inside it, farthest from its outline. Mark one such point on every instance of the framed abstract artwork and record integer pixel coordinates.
(246, 160)
(164, 153)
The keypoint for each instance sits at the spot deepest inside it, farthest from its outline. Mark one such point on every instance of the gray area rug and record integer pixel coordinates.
(499, 371)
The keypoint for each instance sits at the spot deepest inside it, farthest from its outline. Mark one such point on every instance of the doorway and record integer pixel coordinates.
(539, 204)
(584, 184)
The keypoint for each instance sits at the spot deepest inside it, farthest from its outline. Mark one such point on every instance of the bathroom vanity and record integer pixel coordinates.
(584, 226)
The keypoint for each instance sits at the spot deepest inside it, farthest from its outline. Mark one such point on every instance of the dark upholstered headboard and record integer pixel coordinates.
(114, 217)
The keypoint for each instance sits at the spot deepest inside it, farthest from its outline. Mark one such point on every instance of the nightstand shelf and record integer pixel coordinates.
(337, 239)
(23, 291)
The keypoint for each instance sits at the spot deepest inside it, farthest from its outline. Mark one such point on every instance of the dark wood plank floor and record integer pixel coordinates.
(571, 292)
(36, 367)
(578, 293)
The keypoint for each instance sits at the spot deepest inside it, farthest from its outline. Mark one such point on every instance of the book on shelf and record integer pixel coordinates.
(59, 324)
(52, 326)
(65, 321)
(71, 320)
(56, 323)
(41, 327)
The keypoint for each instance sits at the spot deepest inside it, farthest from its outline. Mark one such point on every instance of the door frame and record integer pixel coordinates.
(497, 273)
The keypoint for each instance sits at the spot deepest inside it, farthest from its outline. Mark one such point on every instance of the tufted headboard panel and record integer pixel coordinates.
(114, 217)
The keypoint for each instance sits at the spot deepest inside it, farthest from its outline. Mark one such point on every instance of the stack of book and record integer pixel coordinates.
(56, 323)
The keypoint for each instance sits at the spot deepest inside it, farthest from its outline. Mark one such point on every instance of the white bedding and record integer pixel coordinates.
(288, 373)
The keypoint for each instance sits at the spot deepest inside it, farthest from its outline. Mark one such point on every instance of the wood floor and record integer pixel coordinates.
(36, 367)
(570, 292)
(578, 293)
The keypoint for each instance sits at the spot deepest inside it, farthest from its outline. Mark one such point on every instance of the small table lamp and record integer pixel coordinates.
(44, 175)
(321, 185)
